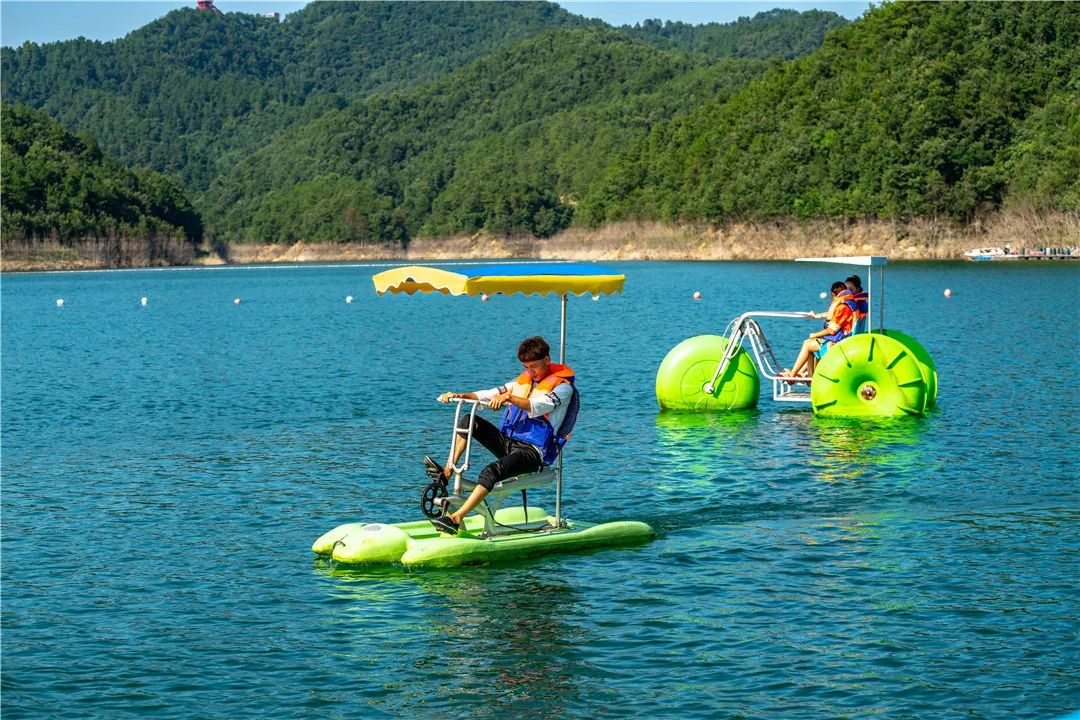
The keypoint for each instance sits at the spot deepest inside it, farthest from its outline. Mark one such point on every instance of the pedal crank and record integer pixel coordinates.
(429, 499)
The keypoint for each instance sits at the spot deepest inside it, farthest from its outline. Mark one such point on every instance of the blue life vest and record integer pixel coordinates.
(517, 424)
(859, 302)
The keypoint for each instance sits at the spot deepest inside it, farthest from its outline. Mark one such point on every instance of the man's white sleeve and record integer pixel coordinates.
(541, 402)
(486, 395)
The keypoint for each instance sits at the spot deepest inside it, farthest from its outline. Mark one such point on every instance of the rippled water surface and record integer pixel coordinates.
(166, 468)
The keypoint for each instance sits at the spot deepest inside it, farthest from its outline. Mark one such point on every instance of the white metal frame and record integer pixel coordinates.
(745, 329)
(501, 489)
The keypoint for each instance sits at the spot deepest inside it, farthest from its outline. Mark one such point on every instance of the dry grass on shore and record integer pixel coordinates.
(94, 253)
(916, 240)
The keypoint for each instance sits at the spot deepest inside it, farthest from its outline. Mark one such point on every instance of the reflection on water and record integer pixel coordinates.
(502, 636)
(731, 467)
(847, 449)
(696, 444)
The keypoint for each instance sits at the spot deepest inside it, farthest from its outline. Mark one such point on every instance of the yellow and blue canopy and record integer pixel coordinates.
(530, 279)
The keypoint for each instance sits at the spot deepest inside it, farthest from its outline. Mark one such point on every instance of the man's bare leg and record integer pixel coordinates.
(475, 497)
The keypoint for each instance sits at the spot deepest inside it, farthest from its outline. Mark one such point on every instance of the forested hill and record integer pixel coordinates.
(916, 110)
(504, 144)
(60, 187)
(182, 92)
(192, 91)
(385, 121)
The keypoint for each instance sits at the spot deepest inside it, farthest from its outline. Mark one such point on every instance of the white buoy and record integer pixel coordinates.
(823, 295)
(484, 297)
(697, 294)
(143, 301)
(236, 301)
(59, 302)
(348, 298)
(595, 298)
(948, 292)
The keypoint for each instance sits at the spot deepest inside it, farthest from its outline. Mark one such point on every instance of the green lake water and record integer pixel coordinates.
(166, 467)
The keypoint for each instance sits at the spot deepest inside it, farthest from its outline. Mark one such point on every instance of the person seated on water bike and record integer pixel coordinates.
(538, 403)
(859, 302)
(839, 324)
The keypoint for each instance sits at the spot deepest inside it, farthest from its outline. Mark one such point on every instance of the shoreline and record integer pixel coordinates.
(779, 241)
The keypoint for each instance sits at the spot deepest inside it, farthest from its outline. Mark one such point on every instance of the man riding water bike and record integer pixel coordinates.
(541, 407)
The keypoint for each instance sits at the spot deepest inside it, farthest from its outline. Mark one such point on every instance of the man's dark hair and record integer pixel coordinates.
(534, 348)
(856, 281)
(837, 286)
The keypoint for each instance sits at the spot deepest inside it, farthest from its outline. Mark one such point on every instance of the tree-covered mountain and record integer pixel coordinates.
(917, 109)
(191, 92)
(504, 144)
(185, 91)
(378, 122)
(61, 187)
(774, 33)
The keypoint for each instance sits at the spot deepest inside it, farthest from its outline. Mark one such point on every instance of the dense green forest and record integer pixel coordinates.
(189, 93)
(918, 109)
(380, 122)
(942, 111)
(495, 145)
(775, 33)
(59, 186)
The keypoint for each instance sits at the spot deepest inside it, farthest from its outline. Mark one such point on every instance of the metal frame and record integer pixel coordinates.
(745, 329)
(500, 491)
(559, 522)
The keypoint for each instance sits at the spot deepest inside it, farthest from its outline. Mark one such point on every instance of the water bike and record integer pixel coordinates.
(871, 373)
(494, 533)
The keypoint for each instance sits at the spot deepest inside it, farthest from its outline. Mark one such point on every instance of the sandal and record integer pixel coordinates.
(445, 525)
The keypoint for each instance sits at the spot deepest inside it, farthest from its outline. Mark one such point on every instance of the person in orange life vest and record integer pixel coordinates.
(527, 439)
(859, 302)
(837, 327)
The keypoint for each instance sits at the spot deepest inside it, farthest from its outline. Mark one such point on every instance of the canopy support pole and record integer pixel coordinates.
(558, 465)
(562, 333)
(870, 301)
(881, 296)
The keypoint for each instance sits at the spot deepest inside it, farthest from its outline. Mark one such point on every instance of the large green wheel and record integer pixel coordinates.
(681, 379)
(868, 375)
(924, 360)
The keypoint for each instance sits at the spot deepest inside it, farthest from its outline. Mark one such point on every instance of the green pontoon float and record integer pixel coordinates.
(493, 533)
(872, 373)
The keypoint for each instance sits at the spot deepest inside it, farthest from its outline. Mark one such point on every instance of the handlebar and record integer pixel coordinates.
(462, 400)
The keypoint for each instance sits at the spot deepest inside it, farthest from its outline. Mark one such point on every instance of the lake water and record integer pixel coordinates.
(166, 468)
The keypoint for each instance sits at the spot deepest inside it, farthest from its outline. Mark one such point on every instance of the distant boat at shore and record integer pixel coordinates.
(1009, 253)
